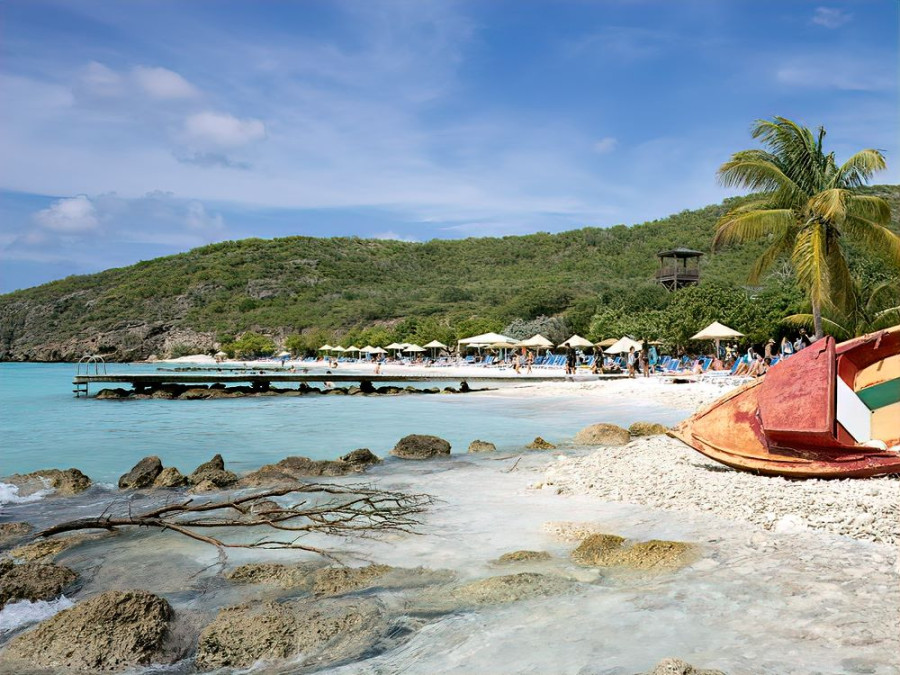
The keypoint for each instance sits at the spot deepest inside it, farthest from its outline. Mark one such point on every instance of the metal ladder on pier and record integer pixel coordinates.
(95, 363)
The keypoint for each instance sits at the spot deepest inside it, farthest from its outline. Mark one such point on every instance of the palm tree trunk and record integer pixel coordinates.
(817, 320)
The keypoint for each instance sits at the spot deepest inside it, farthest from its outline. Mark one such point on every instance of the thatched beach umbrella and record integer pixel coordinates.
(536, 342)
(608, 342)
(623, 345)
(717, 331)
(576, 341)
(325, 348)
(435, 345)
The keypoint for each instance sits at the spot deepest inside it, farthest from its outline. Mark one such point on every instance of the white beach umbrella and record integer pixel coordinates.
(537, 342)
(414, 348)
(623, 345)
(717, 332)
(434, 344)
(325, 348)
(283, 354)
(352, 348)
(485, 339)
(379, 350)
(576, 341)
(367, 349)
(608, 342)
(338, 349)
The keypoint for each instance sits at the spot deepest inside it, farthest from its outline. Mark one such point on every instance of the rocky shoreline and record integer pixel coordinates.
(219, 391)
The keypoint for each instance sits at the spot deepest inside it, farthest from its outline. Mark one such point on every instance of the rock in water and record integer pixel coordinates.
(212, 474)
(66, 482)
(481, 446)
(540, 444)
(142, 474)
(361, 458)
(509, 588)
(109, 632)
(12, 531)
(647, 429)
(597, 549)
(170, 477)
(603, 434)
(340, 580)
(32, 581)
(323, 631)
(523, 556)
(672, 666)
(45, 548)
(418, 446)
(275, 574)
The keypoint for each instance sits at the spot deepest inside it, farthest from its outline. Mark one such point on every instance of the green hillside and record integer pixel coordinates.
(326, 287)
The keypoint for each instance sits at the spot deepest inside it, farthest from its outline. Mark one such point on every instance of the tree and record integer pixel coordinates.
(808, 204)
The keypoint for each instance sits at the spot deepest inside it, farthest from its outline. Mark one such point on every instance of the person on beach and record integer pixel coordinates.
(787, 348)
(802, 341)
(632, 360)
(570, 361)
(769, 351)
(645, 359)
(529, 361)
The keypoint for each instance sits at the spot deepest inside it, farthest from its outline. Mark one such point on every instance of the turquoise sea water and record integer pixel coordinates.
(44, 426)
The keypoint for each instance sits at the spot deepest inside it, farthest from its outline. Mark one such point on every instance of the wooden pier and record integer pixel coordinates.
(262, 380)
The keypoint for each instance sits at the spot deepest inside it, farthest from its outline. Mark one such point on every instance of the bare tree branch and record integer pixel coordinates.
(331, 509)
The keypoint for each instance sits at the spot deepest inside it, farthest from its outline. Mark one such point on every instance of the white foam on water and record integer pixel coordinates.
(23, 613)
(9, 494)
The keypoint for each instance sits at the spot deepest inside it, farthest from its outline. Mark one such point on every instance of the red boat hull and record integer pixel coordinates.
(785, 424)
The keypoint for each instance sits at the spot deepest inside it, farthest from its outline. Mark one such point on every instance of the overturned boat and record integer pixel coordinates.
(829, 411)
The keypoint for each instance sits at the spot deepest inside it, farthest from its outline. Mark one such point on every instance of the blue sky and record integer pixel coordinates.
(130, 130)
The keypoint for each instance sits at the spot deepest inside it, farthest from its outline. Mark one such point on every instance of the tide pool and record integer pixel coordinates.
(44, 426)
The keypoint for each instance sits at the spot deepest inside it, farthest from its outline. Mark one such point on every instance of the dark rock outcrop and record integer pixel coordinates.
(322, 631)
(540, 444)
(142, 474)
(32, 581)
(212, 474)
(419, 446)
(112, 631)
(603, 434)
(482, 446)
(293, 469)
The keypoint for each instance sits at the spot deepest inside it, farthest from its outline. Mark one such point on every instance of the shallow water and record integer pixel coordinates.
(755, 601)
(45, 426)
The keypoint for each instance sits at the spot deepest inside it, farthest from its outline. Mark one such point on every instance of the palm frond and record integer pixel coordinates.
(829, 205)
(811, 262)
(756, 174)
(841, 288)
(869, 207)
(877, 239)
(782, 245)
(807, 321)
(738, 227)
(859, 168)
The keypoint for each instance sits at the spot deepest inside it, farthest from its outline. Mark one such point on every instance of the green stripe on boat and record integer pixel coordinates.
(880, 395)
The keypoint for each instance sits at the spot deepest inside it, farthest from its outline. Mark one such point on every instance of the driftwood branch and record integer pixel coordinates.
(338, 510)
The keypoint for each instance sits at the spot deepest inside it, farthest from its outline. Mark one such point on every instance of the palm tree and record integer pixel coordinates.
(880, 310)
(806, 206)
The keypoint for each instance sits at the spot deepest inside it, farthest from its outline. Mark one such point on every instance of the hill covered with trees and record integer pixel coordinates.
(303, 291)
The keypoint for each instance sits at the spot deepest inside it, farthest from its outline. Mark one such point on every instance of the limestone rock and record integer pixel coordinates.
(482, 446)
(603, 434)
(418, 446)
(361, 457)
(32, 581)
(340, 580)
(142, 474)
(45, 548)
(523, 556)
(65, 482)
(672, 666)
(540, 444)
(117, 393)
(12, 531)
(275, 574)
(504, 589)
(170, 477)
(598, 549)
(112, 631)
(322, 631)
(194, 394)
(647, 429)
(608, 550)
(212, 475)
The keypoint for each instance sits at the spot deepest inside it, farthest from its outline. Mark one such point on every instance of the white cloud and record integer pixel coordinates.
(212, 130)
(606, 144)
(162, 83)
(198, 218)
(99, 80)
(829, 72)
(394, 236)
(830, 17)
(71, 215)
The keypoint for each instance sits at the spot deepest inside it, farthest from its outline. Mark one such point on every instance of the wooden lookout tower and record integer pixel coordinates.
(678, 268)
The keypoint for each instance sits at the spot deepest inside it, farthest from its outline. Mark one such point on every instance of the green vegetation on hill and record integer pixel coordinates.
(373, 290)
